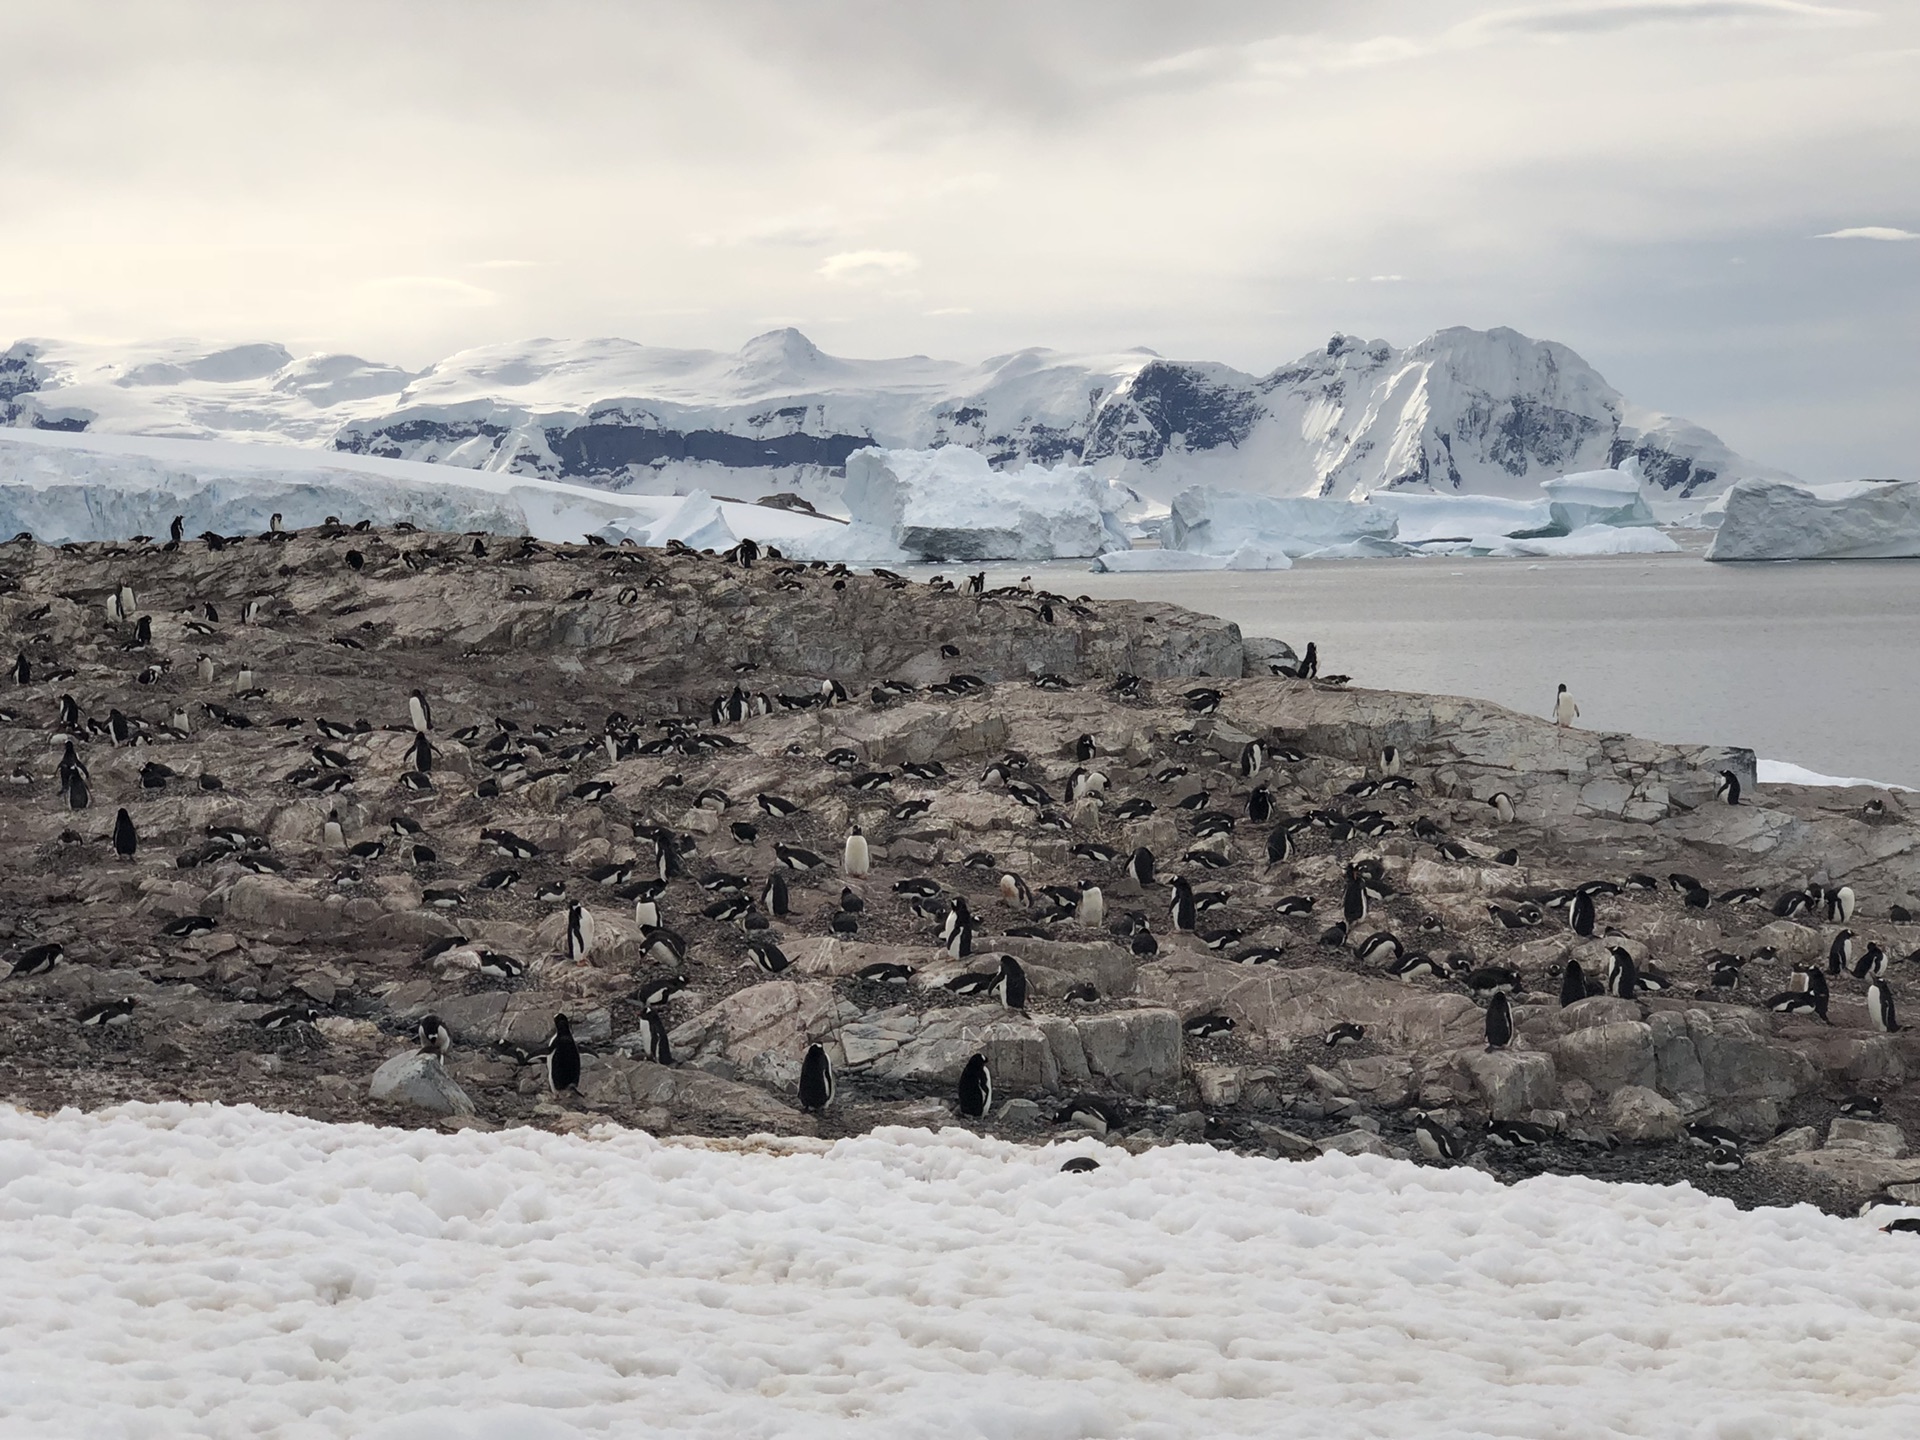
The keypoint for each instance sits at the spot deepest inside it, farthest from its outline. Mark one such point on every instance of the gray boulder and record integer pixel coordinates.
(422, 1081)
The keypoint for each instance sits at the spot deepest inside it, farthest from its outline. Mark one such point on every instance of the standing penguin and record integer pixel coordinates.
(1880, 1007)
(1573, 984)
(1353, 906)
(774, 896)
(1502, 804)
(976, 1089)
(855, 858)
(1093, 905)
(1011, 986)
(816, 1079)
(582, 931)
(1499, 1022)
(1623, 977)
(1565, 712)
(563, 1058)
(1310, 662)
(420, 712)
(126, 839)
(1140, 867)
(1580, 914)
(1181, 908)
(334, 833)
(1729, 787)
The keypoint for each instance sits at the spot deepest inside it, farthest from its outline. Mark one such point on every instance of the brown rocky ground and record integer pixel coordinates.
(532, 656)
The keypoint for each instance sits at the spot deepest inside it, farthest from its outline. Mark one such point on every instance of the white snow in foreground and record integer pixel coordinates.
(1780, 772)
(225, 1272)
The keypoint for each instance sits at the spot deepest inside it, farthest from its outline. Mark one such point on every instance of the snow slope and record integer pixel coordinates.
(1462, 412)
(225, 1272)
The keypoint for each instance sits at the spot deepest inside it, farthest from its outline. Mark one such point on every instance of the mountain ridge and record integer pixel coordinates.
(1462, 411)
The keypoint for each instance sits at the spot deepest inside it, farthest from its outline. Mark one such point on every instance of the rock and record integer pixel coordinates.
(1797, 1141)
(1510, 1083)
(1219, 1085)
(1385, 1080)
(421, 1081)
(1137, 1051)
(1638, 1114)
(1020, 1112)
(1609, 1056)
(1856, 1173)
(762, 1032)
(1358, 1142)
(1873, 1137)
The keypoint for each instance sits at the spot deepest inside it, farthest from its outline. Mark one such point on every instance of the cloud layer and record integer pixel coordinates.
(1647, 180)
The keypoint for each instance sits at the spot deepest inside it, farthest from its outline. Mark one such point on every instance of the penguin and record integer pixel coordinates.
(958, 917)
(434, 1037)
(176, 532)
(1279, 845)
(1580, 914)
(1517, 1134)
(1436, 1142)
(1872, 964)
(1499, 1022)
(768, 956)
(1729, 787)
(1723, 1158)
(563, 1058)
(816, 1079)
(976, 1088)
(774, 895)
(1840, 953)
(1389, 760)
(420, 712)
(582, 931)
(126, 840)
(856, 859)
(420, 754)
(659, 1044)
(1565, 712)
(1260, 805)
(75, 791)
(1139, 867)
(37, 960)
(1353, 905)
(1880, 1007)
(1840, 904)
(1181, 908)
(1143, 944)
(109, 1012)
(1011, 986)
(795, 858)
(334, 834)
(1573, 984)
(1092, 909)
(1623, 979)
(1253, 759)
(1310, 662)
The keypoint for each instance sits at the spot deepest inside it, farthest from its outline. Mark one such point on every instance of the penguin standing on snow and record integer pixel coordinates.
(1499, 1022)
(816, 1079)
(976, 1089)
(1880, 1007)
(126, 840)
(856, 859)
(420, 712)
(563, 1058)
(1565, 712)
(1729, 787)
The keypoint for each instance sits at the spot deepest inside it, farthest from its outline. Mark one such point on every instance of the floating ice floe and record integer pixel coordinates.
(1596, 497)
(949, 504)
(1782, 772)
(1859, 520)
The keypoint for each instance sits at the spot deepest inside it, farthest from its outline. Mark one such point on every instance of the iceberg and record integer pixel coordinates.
(1137, 562)
(1858, 520)
(64, 487)
(1596, 497)
(1476, 519)
(950, 504)
(1589, 540)
(1205, 521)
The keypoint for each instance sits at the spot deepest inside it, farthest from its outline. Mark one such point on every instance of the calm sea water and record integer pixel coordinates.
(1812, 662)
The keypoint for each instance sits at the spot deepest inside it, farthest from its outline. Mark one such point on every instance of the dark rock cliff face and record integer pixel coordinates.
(21, 374)
(1166, 404)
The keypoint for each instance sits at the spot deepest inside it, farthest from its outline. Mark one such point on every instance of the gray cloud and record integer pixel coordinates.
(1641, 180)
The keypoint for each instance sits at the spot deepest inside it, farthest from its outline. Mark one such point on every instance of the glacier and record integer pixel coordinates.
(1859, 520)
(1462, 412)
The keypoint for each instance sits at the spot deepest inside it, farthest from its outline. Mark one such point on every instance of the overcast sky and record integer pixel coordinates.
(1645, 180)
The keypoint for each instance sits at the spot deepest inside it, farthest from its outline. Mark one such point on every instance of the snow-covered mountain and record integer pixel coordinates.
(1463, 412)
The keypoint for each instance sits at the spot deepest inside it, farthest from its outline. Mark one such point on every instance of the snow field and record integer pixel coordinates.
(224, 1272)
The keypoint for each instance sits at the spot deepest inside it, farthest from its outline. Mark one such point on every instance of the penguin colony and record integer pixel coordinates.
(374, 722)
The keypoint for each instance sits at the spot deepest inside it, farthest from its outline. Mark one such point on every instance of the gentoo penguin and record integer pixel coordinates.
(1260, 805)
(1083, 749)
(1011, 986)
(1081, 1164)
(659, 1044)
(335, 836)
(1880, 1007)
(1573, 984)
(1436, 1142)
(1310, 662)
(563, 1058)
(1840, 904)
(420, 712)
(774, 895)
(795, 858)
(1840, 953)
(768, 956)
(434, 1037)
(37, 960)
(1729, 787)
(1723, 1158)
(109, 1012)
(1180, 907)
(1204, 1027)
(1499, 1022)
(1389, 760)
(1580, 914)
(1092, 909)
(582, 931)
(1623, 979)
(126, 839)
(1143, 944)
(1139, 867)
(816, 1079)
(976, 1088)
(1565, 712)
(855, 858)
(646, 908)
(1344, 1033)
(75, 791)
(420, 754)
(1353, 905)
(1253, 759)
